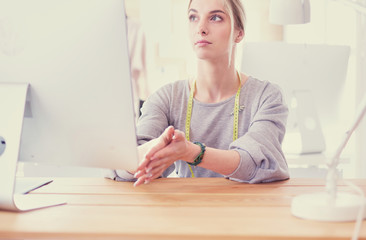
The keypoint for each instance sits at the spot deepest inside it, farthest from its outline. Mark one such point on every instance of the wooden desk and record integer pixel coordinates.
(173, 209)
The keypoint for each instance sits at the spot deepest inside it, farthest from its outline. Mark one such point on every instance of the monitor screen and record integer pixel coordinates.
(315, 74)
(74, 55)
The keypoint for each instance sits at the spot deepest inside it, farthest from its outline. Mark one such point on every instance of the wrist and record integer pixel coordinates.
(192, 153)
(198, 159)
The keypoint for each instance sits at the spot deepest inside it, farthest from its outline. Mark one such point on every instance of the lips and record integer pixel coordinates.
(202, 43)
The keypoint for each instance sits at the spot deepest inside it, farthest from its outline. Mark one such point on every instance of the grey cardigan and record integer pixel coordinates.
(262, 122)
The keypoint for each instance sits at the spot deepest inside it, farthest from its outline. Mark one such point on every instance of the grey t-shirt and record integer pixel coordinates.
(262, 121)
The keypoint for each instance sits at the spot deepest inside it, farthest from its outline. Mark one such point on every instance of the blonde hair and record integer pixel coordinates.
(236, 12)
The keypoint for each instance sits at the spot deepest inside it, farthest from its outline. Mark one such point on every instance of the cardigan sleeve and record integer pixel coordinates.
(261, 156)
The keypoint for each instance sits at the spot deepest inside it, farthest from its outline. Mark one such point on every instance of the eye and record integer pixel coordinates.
(216, 18)
(192, 18)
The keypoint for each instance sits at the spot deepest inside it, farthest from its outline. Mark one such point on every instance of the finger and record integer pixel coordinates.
(156, 163)
(168, 134)
(169, 152)
(155, 173)
(143, 164)
(140, 180)
(164, 139)
(144, 177)
(139, 173)
(148, 177)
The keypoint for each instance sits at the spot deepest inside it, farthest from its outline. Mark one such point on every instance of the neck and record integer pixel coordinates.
(215, 82)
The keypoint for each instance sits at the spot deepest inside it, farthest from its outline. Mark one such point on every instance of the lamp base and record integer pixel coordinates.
(318, 206)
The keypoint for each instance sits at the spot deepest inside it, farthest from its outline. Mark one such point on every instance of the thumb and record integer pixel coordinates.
(163, 140)
(178, 136)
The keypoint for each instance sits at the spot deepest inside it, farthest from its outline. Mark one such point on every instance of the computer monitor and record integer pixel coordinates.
(65, 65)
(314, 76)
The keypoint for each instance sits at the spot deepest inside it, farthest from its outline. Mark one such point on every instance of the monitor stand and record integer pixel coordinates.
(13, 99)
(304, 133)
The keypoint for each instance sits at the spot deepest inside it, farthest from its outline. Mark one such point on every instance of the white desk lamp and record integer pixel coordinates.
(332, 205)
(329, 205)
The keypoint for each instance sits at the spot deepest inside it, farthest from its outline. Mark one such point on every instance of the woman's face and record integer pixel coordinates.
(209, 27)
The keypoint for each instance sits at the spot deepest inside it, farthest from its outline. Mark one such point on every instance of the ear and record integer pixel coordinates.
(239, 36)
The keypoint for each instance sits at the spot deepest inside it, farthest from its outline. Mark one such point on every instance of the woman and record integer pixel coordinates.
(221, 124)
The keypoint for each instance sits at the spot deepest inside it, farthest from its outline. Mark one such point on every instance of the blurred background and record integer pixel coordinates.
(313, 49)
(323, 56)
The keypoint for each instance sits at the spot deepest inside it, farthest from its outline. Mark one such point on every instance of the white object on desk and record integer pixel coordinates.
(81, 110)
(12, 105)
(26, 185)
(332, 205)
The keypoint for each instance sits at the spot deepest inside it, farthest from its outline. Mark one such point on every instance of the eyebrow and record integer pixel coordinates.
(211, 12)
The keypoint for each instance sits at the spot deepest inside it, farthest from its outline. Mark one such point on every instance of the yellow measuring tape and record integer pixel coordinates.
(189, 114)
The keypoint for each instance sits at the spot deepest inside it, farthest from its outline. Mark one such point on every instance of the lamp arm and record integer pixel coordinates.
(332, 174)
(334, 161)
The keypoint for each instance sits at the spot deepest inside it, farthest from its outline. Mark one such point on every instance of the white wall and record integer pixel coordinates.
(360, 160)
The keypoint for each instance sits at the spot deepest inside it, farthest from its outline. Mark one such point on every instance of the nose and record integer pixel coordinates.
(202, 28)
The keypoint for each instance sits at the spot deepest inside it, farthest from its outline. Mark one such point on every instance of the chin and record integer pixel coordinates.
(210, 55)
(200, 57)
(203, 55)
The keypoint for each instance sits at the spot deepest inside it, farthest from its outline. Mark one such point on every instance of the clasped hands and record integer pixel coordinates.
(162, 152)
